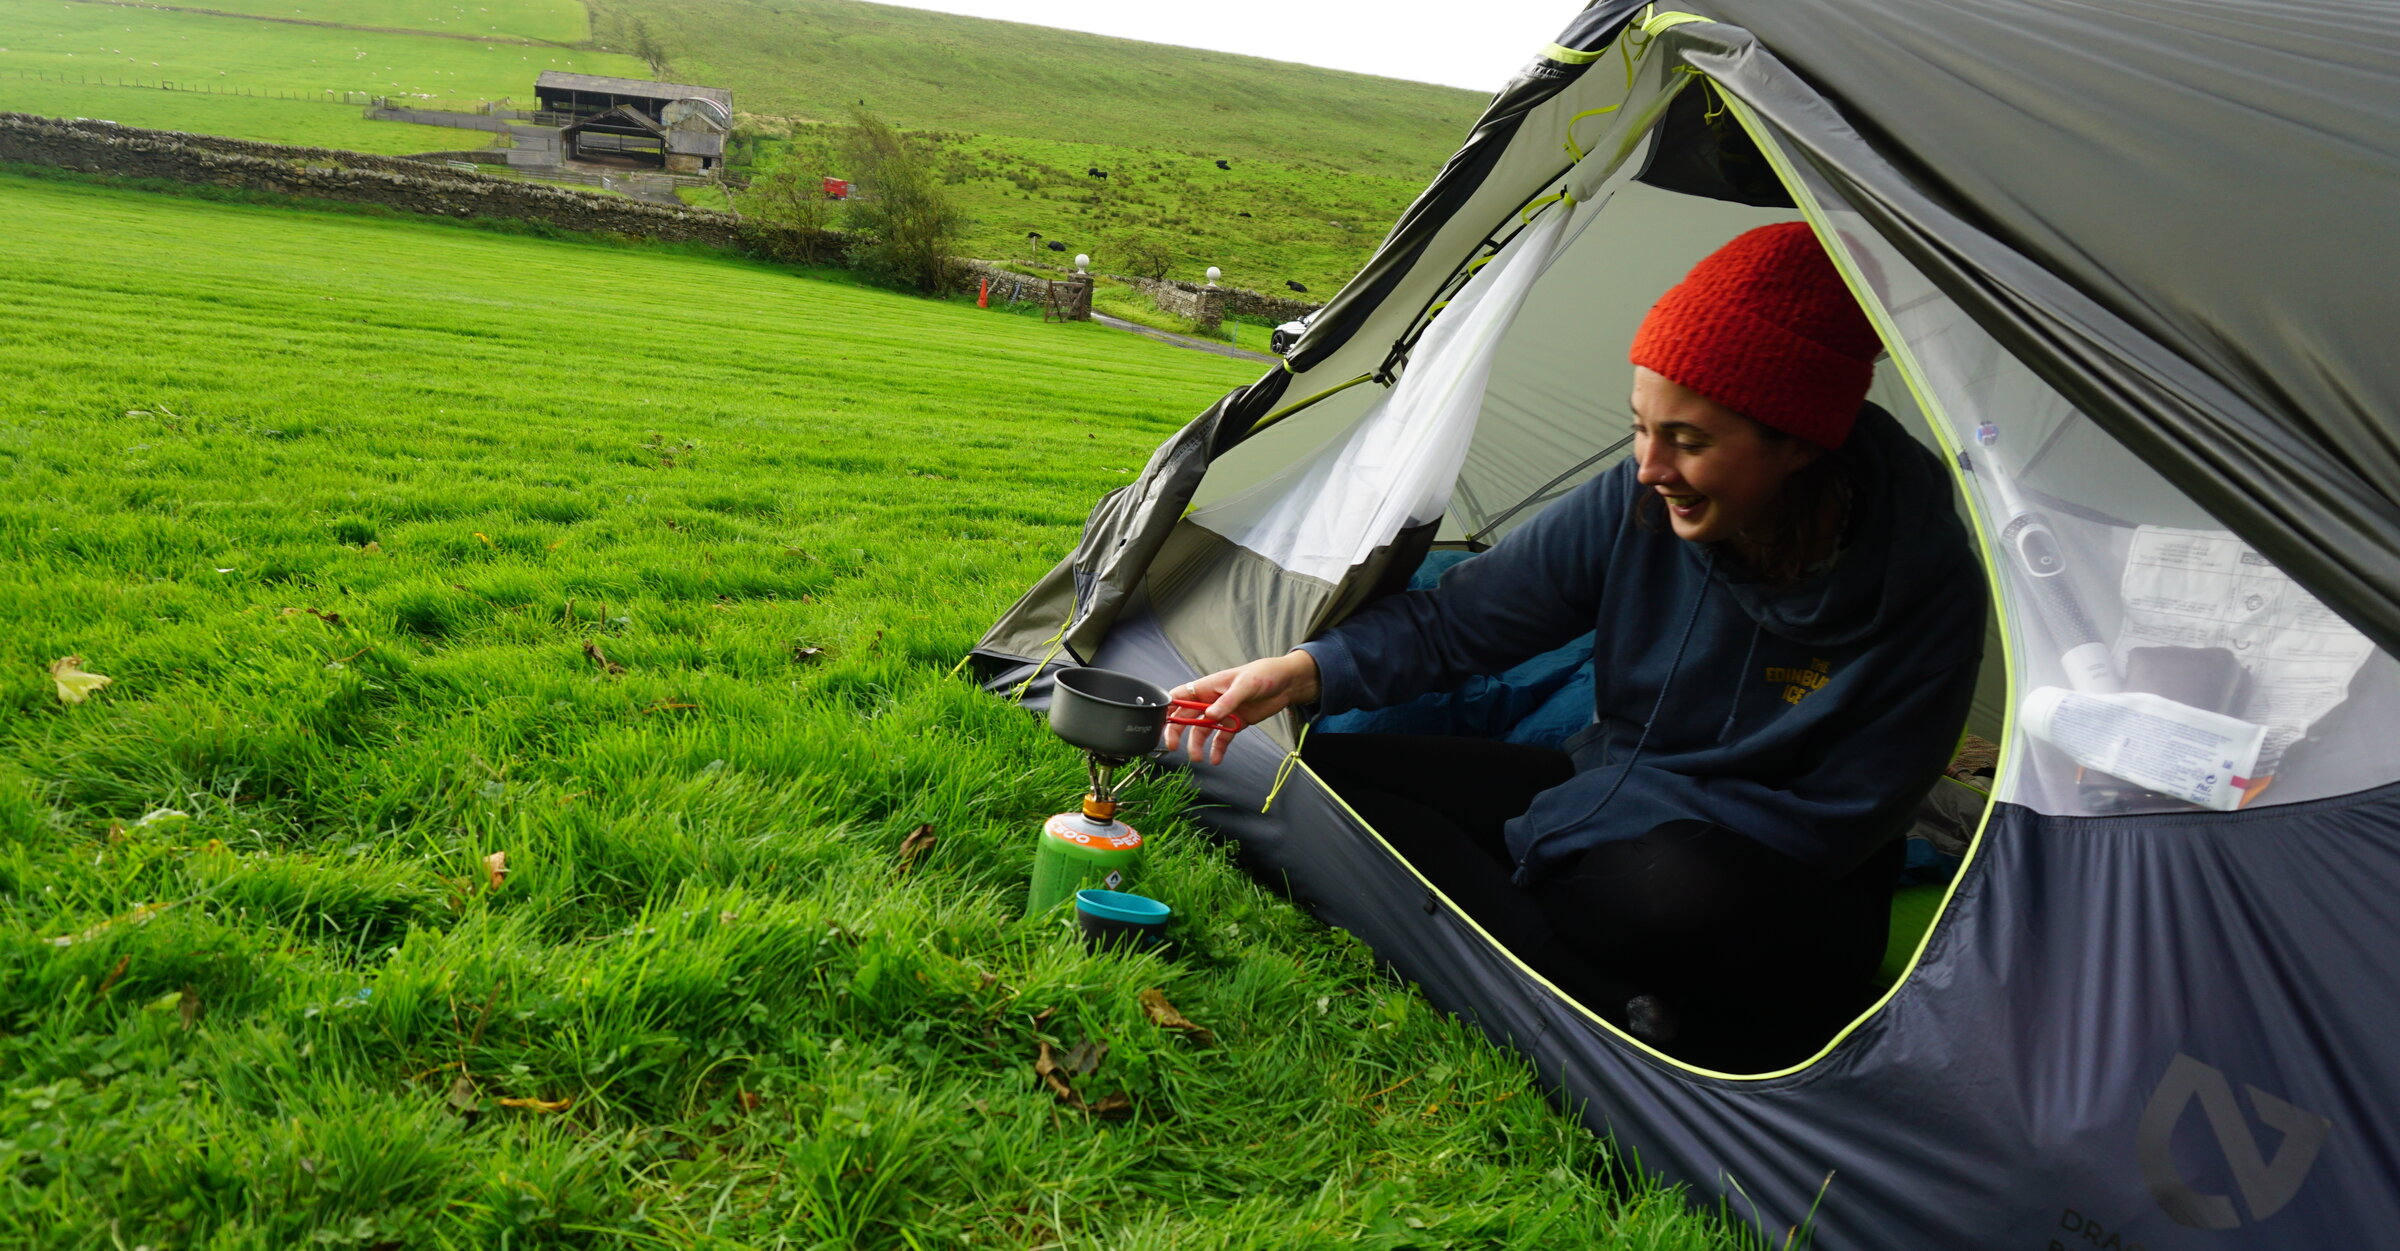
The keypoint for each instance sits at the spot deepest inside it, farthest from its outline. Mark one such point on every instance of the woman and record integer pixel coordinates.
(1789, 620)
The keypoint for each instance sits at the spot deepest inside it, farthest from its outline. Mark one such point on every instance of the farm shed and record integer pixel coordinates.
(683, 125)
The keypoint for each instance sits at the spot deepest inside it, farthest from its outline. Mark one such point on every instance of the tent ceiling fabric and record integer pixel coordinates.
(2216, 179)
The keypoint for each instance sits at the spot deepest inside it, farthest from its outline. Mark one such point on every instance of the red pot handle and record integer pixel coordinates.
(1232, 724)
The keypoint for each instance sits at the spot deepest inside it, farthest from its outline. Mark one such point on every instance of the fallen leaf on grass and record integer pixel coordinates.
(487, 539)
(136, 916)
(1046, 1067)
(535, 1105)
(748, 1099)
(113, 974)
(495, 869)
(592, 652)
(160, 816)
(74, 685)
(1164, 1015)
(804, 654)
(462, 1093)
(372, 546)
(187, 1006)
(1081, 1060)
(912, 848)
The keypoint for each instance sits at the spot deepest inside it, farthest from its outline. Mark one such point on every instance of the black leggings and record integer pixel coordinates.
(1760, 957)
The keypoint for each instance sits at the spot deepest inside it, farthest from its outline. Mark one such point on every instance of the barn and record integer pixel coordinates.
(675, 126)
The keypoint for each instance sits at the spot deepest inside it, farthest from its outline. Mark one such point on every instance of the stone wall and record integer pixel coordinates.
(394, 182)
(430, 187)
(1009, 286)
(1205, 305)
(1275, 308)
(1184, 299)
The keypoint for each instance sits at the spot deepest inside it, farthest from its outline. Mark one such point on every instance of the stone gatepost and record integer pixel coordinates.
(1208, 306)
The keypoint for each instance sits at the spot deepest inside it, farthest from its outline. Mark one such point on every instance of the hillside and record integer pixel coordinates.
(935, 71)
(529, 657)
(1320, 161)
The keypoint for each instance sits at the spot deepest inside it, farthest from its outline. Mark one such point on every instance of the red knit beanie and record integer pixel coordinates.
(1765, 327)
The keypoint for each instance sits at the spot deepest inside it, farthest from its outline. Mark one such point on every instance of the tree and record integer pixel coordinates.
(913, 228)
(648, 48)
(1144, 257)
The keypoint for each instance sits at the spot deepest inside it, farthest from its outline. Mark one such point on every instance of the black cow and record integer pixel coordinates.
(1058, 247)
(1295, 286)
(1223, 165)
(1243, 215)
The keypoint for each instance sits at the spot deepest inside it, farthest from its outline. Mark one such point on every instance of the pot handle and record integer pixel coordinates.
(1232, 724)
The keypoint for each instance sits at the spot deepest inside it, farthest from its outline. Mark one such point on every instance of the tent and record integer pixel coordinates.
(2124, 258)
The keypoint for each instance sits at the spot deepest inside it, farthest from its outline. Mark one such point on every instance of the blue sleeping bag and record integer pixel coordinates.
(1537, 703)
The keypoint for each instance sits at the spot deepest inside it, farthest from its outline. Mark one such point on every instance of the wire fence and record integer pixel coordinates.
(328, 96)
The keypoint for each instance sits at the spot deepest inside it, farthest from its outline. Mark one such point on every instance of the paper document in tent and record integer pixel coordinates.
(2208, 589)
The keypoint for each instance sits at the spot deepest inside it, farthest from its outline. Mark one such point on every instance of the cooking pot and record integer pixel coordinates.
(1118, 715)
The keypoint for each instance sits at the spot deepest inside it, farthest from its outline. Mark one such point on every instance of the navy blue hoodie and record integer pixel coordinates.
(1810, 717)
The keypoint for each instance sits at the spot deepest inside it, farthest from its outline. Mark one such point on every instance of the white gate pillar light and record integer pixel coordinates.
(1214, 273)
(1082, 262)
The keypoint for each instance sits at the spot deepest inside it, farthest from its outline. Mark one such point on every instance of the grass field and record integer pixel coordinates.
(552, 21)
(1306, 222)
(303, 122)
(410, 546)
(1321, 161)
(937, 71)
(110, 42)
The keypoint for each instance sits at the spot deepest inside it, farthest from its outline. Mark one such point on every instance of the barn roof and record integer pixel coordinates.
(636, 87)
(621, 120)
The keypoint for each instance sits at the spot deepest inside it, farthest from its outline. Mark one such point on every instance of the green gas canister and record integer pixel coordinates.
(1081, 850)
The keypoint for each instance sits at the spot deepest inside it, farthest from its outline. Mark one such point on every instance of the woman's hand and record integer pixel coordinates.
(1253, 692)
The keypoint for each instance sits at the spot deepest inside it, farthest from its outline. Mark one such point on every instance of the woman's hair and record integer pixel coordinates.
(1800, 526)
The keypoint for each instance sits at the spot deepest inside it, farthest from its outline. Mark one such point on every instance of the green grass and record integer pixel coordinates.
(927, 71)
(552, 21)
(111, 42)
(304, 122)
(1321, 161)
(1308, 222)
(341, 502)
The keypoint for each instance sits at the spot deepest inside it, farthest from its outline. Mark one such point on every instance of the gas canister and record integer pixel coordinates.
(1079, 850)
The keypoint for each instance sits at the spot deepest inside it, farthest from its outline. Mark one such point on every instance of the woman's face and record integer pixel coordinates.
(1714, 469)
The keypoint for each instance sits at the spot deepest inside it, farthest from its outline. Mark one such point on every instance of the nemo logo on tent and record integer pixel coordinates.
(2266, 1185)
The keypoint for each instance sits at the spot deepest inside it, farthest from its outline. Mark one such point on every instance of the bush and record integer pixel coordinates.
(913, 229)
(1143, 256)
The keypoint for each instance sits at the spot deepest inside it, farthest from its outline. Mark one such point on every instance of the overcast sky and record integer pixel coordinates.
(1425, 42)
